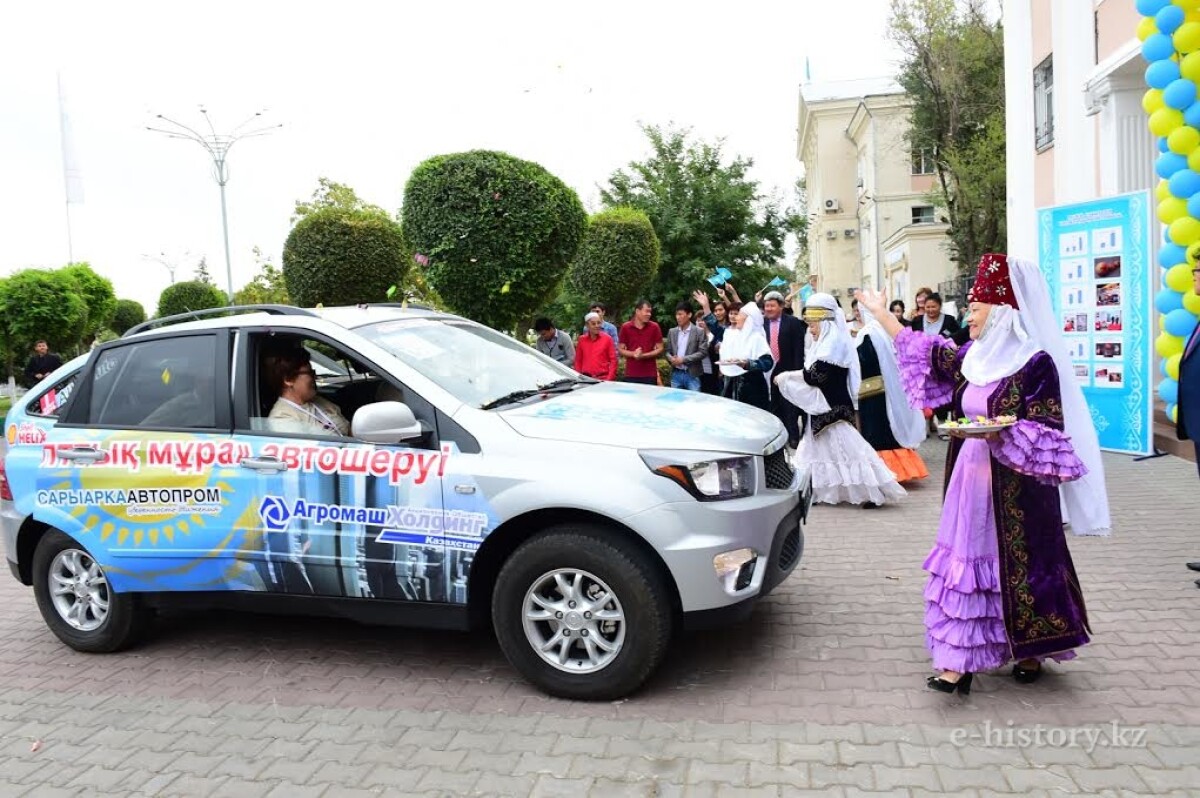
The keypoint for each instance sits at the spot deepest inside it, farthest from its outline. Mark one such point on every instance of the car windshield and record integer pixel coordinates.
(474, 363)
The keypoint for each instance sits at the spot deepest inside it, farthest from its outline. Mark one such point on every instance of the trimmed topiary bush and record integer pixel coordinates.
(190, 295)
(97, 293)
(128, 314)
(498, 233)
(617, 260)
(343, 256)
(37, 303)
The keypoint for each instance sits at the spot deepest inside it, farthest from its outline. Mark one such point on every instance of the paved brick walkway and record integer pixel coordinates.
(821, 692)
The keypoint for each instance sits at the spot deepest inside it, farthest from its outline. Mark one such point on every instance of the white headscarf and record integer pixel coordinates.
(1003, 347)
(907, 424)
(834, 344)
(747, 343)
(1085, 500)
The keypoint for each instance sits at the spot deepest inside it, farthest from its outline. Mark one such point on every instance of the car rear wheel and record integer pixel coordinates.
(76, 600)
(582, 614)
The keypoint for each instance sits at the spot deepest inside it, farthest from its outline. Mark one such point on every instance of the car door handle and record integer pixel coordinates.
(263, 464)
(80, 454)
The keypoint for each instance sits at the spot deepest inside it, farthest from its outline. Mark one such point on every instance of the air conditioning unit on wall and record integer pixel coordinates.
(832, 206)
(850, 232)
(831, 234)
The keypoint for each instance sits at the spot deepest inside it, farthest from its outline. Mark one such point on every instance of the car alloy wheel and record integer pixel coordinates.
(574, 621)
(79, 590)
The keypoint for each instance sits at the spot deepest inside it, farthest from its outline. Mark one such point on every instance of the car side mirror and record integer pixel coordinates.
(386, 422)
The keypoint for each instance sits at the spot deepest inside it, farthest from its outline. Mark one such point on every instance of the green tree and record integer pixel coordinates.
(496, 232)
(707, 213)
(332, 195)
(341, 256)
(189, 296)
(617, 260)
(267, 287)
(38, 303)
(953, 69)
(97, 293)
(128, 314)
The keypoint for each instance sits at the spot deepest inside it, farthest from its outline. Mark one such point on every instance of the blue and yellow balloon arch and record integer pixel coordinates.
(1170, 36)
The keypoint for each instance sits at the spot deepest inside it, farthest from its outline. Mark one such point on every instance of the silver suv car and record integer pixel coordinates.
(436, 473)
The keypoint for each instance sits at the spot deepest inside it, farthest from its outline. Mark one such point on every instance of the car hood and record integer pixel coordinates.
(643, 416)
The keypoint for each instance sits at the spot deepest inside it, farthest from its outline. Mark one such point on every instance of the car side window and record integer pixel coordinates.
(167, 383)
(50, 403)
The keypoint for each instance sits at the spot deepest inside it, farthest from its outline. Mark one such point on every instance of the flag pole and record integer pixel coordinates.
(70, 170)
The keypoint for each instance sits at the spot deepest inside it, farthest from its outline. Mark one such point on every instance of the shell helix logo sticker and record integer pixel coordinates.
(275, 513)
(25, 433)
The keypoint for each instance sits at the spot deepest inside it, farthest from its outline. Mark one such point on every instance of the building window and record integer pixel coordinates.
(923, 214)
(922, 161)
(1043, 104)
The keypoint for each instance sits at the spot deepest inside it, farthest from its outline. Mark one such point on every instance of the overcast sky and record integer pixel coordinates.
(365, 92)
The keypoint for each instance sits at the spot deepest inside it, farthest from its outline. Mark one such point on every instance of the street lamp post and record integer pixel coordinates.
(217, 145)
(170, 264)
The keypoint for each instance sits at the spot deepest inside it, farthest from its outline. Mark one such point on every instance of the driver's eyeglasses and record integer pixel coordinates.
(309, 372)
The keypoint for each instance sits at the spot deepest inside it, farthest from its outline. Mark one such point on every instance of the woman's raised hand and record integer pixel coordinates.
(872, 300)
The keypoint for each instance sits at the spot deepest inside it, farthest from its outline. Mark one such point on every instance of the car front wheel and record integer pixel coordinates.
(76, 600)
(582, 614)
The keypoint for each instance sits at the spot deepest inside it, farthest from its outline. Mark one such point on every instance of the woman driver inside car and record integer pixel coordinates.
(299, 409)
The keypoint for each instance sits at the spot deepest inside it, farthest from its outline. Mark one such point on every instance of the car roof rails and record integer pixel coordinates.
(401, 305)
(195, 315)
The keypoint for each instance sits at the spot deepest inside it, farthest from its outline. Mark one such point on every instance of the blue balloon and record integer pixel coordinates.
(1184, 183)
(1191, 116)
(1171, 255)
(1167, 300)
(1162, 72)
(1167, 236)
(1158, 47)
(1179, 94)
(1162, 367)
(1194, 207)
(1162, 141)
(1181, 322)
(1150, 8)
(1168, 164)
(1169, 19)
(1168, 391)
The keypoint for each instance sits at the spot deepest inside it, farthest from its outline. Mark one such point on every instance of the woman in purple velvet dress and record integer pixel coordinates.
(1002, 586)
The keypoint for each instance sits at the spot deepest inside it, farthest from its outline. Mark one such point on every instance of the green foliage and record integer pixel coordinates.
(37, 303)
(97, 293)
(267, 287)
(341, 256)
(127, 315)
(953, 69)
(498, 233)
(617, 260)
(202, 275)
(332, 195)
(187, 296)
(707, 213)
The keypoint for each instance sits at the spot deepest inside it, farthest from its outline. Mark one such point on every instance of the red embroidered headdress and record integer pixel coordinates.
(992, 283)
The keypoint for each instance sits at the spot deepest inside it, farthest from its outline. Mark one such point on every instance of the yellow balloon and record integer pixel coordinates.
(1164, 121)
(1191, 254)
(1171, 209)
(1168, 345)
(1152, 100)
(1162, 191)
(1189, 67)
(1183, 140)
(1175, 414)
(1187, 37)
(1192, 302)
(1184, 232)
(1173, 366)
(1179, 277)
(1187, 5)
(1147, 27)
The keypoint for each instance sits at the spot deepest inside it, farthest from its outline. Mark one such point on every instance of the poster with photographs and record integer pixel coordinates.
(1096, 257)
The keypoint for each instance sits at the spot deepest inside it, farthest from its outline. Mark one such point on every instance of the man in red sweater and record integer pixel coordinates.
(595, 353)
(640, 343)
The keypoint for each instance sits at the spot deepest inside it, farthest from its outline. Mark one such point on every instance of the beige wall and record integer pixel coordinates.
(1043, 179)
(1042, 29)
(1116, 24)
(922, 184)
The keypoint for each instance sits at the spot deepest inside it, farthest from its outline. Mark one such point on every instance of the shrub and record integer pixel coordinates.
(343, 256)
(617, 260)
(128, 314)
(36, 303)
(498, 233)
(97, 293)
(190, 295)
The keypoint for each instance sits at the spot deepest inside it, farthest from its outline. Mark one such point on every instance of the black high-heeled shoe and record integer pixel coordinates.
(1026, 675)
(963, 685)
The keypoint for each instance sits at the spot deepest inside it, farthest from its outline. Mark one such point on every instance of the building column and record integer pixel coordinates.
(1018, 124)
(1073, 38)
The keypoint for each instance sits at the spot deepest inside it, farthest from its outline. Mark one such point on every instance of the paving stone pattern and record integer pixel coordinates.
(821, 692)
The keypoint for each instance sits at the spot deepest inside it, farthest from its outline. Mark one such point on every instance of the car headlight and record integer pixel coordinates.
(708, 477)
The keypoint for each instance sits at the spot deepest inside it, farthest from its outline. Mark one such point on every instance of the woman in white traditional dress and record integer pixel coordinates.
(845, 469)
(746, 361)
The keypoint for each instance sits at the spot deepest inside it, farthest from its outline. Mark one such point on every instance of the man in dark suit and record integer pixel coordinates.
(785, 337)
(1187, 419)
(934, 322)
(687, 346)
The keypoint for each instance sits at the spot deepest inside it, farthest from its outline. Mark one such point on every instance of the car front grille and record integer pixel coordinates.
(790, 550)
(779, 471)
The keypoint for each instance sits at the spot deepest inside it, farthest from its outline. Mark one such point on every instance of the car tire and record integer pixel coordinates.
(606, 578)
(104, 620)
